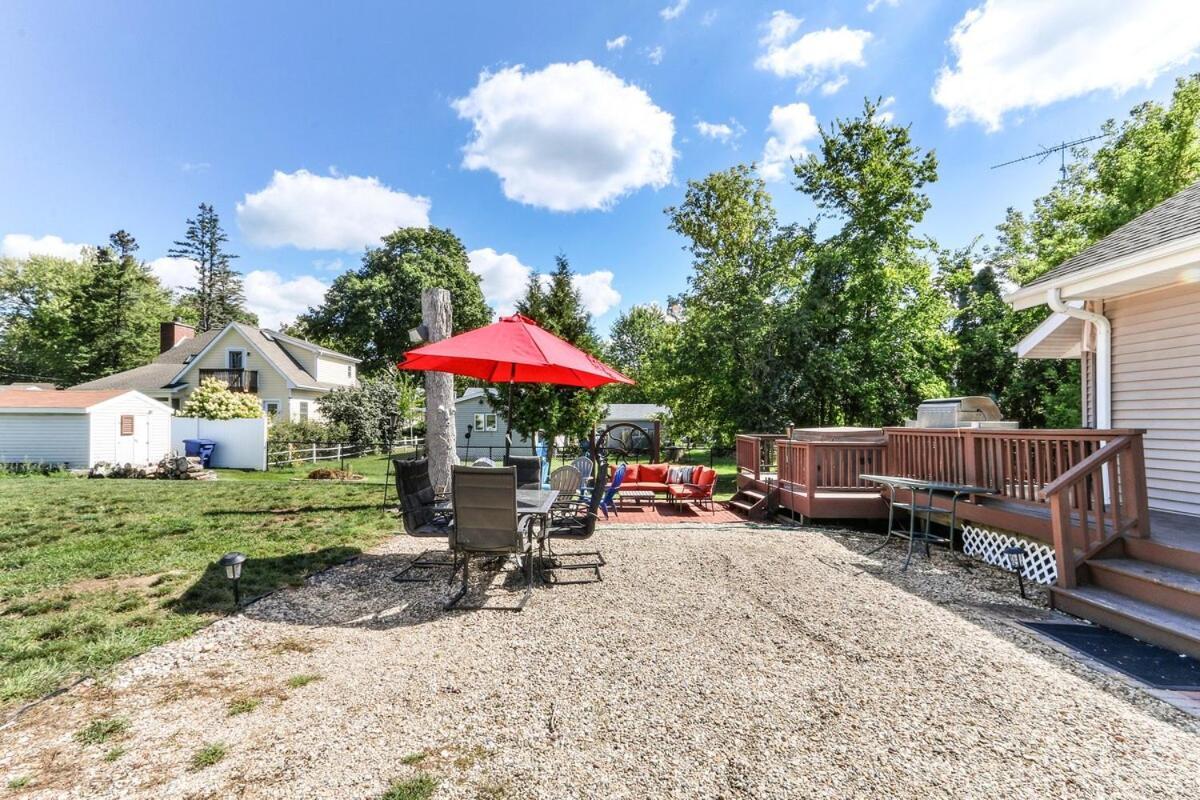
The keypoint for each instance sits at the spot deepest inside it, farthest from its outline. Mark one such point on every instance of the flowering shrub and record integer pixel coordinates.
(212, 399)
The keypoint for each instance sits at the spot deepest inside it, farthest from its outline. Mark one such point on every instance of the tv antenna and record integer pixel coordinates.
(1046, 152)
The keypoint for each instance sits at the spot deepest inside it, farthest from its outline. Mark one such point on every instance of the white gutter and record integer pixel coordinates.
(1103, 353)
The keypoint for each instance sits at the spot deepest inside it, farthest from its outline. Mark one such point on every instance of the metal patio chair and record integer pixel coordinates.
(529, 470)
(567, 481)
(576, 520)
(486, 524)
(424, 513)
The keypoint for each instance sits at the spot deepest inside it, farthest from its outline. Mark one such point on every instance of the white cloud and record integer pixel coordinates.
(195, 166)
(655, 54)
(277, 300)
(617, 43)
(1015, 54)
(721, 131)
(791, 126)
(503, 278)
(709, 17)
(813, 56)
(567, 137)
(329, 264)
(597, 292)
(874, 4)
(885, 113)
(674, 11)
(21, 245)
(316, 212)
(834, 85)
(176, 274)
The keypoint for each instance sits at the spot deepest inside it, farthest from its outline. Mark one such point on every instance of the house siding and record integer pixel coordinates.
(464, 415)
(334, 370)
(1156, 386)
(45, 438)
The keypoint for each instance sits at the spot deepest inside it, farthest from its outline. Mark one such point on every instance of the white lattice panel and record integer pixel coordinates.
(988, 545)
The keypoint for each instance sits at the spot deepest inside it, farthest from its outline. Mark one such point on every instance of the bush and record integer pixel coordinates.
(27, 469)
(370, 412)
(311, 431)
(212, 399)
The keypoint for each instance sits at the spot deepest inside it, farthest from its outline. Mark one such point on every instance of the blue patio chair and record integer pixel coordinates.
(607, 503)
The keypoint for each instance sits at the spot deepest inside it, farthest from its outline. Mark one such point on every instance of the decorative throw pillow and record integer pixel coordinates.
(675, 475)
(687, 474)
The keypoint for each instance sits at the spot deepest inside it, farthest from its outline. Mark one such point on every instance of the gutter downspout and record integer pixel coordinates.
(1103, 353)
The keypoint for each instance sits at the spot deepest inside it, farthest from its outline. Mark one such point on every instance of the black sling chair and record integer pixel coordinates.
(575, 519)
(426, 515)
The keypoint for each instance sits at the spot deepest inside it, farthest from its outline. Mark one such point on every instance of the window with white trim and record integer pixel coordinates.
(485, 422)
(303, 408)
(271, 409)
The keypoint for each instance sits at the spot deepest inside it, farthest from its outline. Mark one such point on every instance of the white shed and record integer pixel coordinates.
(81, 427)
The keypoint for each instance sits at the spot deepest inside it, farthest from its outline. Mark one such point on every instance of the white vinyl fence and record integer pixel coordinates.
(241, 443)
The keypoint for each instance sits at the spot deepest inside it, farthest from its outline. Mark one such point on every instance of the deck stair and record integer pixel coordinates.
(751, 502)
(1146, 588)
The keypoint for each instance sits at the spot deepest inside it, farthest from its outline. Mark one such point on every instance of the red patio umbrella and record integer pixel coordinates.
(513, 350)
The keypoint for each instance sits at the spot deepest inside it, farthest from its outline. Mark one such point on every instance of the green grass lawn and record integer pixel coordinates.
(95, 571)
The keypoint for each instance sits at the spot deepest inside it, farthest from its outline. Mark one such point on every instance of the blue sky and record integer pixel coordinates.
(527, 128)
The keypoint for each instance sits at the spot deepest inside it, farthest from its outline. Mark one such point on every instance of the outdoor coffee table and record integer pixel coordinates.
(926, 509)
(638, 496)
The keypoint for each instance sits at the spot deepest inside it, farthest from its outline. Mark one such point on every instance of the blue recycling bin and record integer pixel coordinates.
(202, 448)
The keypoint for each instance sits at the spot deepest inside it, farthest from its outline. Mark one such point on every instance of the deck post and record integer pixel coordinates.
(810, 474)
(1133, 478)
(972, 458)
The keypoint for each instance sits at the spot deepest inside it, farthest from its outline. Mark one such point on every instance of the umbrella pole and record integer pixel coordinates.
(508, 433)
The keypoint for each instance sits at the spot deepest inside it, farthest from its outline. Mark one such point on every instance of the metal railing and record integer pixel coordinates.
(238, 380)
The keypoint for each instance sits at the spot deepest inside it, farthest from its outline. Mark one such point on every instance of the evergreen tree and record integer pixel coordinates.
(116, 311)
(217, 297)
(554, 411)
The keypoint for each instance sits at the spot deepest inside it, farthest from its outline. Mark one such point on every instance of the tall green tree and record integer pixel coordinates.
(217, 298)
(634, 343)
(38, 340)
(554, 410)
(116, 311)
(722, 358)
(369, 311)
(867, 334)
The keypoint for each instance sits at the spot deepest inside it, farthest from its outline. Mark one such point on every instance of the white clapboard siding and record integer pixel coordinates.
(1156, 386)
(44, 439)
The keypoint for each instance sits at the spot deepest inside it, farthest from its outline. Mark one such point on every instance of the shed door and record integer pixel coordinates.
(133, 439)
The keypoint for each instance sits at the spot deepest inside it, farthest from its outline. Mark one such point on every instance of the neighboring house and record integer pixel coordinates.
(289, 375)
(488, 428)
(80, 428)
(1129, 308)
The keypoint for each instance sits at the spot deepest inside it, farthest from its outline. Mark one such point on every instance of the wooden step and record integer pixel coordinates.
(1146, 621)
(744, 507)
(1152, 583)
(1168, 554)
(751, 494)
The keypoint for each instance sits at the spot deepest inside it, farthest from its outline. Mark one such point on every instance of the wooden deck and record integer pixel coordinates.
(1082, 492)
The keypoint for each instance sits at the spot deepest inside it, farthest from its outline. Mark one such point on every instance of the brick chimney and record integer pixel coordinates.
(172, 333)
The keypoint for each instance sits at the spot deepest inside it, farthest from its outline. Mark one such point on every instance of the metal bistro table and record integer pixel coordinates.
(537, 503)
(926, 509)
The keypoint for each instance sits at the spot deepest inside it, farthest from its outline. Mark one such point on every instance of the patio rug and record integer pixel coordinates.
(1146, 662)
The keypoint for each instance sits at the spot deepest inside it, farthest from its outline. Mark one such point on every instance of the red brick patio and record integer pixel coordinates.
(663, 513)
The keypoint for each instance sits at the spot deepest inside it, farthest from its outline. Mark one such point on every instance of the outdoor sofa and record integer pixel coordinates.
(676, 483)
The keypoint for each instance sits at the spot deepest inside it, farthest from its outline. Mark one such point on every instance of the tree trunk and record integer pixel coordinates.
(440, 433)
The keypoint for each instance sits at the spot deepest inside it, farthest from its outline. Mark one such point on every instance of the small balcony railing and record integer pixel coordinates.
(238, 380)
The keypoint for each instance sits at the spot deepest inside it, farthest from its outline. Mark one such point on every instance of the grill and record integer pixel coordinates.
(975, 411)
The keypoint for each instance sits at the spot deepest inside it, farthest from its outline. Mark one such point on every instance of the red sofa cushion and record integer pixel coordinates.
(703, 476)
(656, 473)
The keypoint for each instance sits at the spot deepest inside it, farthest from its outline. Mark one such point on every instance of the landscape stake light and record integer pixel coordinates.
(1016, 562)
(232, 562)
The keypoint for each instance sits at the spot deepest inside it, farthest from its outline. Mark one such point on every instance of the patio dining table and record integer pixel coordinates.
(925, 509)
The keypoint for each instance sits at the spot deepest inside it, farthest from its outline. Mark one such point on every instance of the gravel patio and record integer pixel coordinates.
(727, 661)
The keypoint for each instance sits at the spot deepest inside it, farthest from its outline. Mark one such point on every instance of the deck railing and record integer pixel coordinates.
(756, 453)
(832, 466)
(1016, 463)
(1100, 498)
(238, 380)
